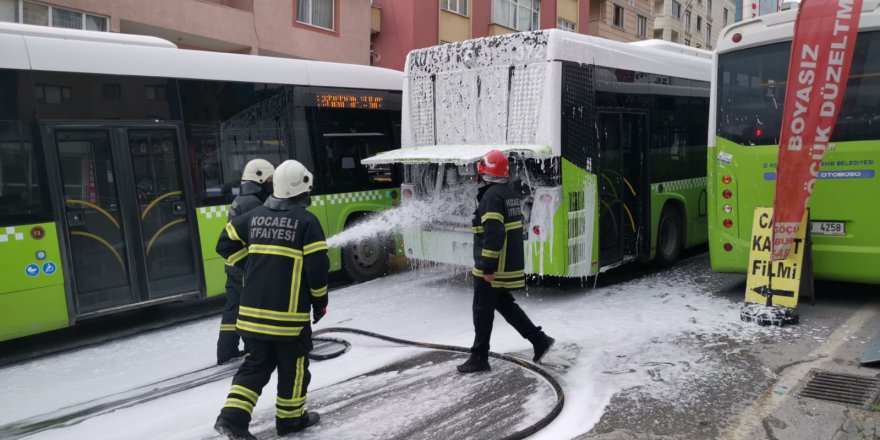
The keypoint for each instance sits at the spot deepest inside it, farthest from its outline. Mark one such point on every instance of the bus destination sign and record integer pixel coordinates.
(368, 102)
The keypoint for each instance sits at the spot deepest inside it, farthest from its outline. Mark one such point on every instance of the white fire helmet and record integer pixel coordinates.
(257, 170)
(291, 179)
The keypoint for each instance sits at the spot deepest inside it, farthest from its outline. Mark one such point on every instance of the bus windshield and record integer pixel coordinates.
(751, 93)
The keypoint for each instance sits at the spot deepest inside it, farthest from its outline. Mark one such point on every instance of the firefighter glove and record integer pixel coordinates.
(317, 314)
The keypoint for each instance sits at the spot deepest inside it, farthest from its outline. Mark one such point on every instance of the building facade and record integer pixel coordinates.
(404, 25)
(692, 22)
(622, 20)
(327, 30)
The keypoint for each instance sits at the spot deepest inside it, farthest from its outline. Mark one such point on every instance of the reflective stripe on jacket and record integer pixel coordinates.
(284, 254)
(498, 236)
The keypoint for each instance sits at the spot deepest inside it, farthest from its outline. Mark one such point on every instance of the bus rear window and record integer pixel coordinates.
(751, 93)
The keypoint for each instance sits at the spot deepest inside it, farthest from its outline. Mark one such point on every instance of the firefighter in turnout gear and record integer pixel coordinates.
(498, 263)
(284, 254)
(256, 186)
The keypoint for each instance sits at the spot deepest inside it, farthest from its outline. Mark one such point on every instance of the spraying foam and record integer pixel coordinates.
(453, 205)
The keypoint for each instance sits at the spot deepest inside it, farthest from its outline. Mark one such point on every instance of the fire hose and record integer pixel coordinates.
(522, 433)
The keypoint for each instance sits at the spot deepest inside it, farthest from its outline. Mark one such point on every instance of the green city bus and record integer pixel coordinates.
(119, 155)
(750, 72)
(607, 141)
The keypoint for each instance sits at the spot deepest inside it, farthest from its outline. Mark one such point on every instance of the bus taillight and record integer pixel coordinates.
(728, 247)
(727, 180)
(727, 208)
(407, 193)
(727, 193)
(728, 223)
(737, 37)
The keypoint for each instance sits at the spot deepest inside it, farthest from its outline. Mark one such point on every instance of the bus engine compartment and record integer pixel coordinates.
(446, 194)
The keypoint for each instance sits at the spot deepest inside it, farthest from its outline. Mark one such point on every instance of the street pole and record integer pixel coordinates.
(681, 19)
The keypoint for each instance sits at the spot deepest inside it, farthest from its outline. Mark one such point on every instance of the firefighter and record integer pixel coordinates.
(284, 253)
(498, 263)
(256, 186)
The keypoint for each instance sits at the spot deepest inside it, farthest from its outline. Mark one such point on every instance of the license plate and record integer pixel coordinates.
(827, 228)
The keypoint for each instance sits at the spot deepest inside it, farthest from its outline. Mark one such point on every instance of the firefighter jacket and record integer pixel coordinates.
(498, 236)
(284, 253)
(250, 196)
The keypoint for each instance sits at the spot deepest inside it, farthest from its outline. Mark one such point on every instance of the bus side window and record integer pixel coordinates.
(22, 178)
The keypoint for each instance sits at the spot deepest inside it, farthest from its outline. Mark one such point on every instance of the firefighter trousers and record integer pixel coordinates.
(263, 357)
(487, 300)
(227, 343)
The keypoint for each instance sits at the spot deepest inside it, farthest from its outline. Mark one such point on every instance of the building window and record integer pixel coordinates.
(676, 10)
(522, 15)
(318, 13)
(50, 94)
(642, 26)
(687, 21)
(687, 42)
(45, 15)
(724, 18)
(618, 16)
(565, 25)
(459, 7)
(699, 23)
(709, 8)
(156, 93)
(708, 35)
(111, 92)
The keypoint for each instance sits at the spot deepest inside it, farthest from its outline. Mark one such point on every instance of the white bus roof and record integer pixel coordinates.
(64, 50)
(779, 26)
(662, 58)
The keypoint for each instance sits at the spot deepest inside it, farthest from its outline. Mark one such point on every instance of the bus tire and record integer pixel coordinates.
(365, 259)
(670, 236)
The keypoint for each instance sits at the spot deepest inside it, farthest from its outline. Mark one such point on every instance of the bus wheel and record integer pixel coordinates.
(670, 239)
(366, 259)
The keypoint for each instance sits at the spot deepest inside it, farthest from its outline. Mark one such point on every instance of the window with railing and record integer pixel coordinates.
(27, 12)
(522, 15)
(318, 13)
(687, 21)
(699, 23)
(459, 7)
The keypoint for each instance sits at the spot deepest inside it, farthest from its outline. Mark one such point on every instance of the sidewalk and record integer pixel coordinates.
(758, 398)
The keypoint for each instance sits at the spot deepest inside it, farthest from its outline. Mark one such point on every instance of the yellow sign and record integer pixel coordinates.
(780, 279)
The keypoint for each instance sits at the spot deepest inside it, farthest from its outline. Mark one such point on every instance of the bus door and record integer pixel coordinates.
(623, 194)
(128, 220)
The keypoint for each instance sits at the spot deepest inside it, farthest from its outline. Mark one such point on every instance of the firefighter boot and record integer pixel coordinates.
(233, 431)
(477, 362)
(298, 424)
(541, 343)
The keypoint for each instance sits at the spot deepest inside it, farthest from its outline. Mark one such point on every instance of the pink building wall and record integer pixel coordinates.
(406, 24)
(265, 27)
(414, 24)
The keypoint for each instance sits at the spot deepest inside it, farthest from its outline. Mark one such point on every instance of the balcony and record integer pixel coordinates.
(243, 5)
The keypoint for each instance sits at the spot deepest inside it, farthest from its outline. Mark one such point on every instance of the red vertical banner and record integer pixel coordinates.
(821, 54)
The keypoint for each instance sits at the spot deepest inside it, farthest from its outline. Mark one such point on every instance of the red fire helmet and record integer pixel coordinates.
(494, 163)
